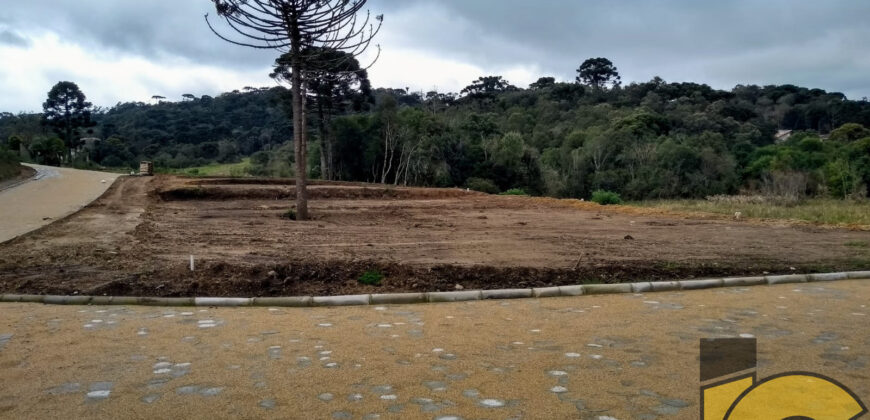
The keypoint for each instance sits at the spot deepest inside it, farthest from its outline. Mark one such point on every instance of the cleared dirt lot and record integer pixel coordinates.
(138, 237)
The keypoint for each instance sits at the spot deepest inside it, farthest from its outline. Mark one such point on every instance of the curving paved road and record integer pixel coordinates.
(590, 357)
(52, 194)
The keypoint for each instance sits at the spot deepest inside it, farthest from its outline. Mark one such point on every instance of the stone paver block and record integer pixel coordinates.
(665, 286)
(101, 300)
(507, 294)
(700, 284)
(743, 281)
(577, 290)
(398, 298)
(78, 300)
(545, 292)
(151, 301)
(789, 278)
(828, 277)
(66, 300)
(124, 300)
(225, 302)
(641, 287)
(606, 289)
(53, 300)
(348, 300)
(454, 296)
(286, 302)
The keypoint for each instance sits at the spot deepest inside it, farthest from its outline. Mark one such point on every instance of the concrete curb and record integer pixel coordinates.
(399, 298)
(351, 300)
(701, 284)
(506, 294)
(828, 277)
(605, 289)
(641, 287)
(744, 281)
(545, 292)
(793, 278)
(665, 286)
(572, 290)
(438, 297)
(454, 296)
(146, 301)
(287, 302)
(225, 302)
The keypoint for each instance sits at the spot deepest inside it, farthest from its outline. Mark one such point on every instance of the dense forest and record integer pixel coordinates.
(641, 140)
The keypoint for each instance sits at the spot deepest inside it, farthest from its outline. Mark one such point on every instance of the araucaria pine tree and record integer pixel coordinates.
(299, 28)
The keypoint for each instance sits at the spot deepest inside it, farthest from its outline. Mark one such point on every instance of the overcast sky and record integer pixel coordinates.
(129, 50)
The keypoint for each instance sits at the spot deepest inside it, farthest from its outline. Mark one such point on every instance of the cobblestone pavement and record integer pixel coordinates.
(54, 194)
(597, 357)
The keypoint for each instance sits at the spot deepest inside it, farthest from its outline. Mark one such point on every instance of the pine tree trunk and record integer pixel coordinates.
(324, 163)
(299, 146)
(330, 148)
(69, 141)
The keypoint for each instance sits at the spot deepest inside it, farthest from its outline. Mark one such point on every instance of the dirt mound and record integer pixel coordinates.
(320, 278)
(255, 181)
(275, 181)
(315, 192)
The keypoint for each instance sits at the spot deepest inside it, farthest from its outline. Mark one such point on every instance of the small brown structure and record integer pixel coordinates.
(146, 168)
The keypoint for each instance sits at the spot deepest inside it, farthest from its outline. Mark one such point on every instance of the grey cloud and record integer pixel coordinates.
(10, 37)
(678, 38)
(722, 43)
(157, 29)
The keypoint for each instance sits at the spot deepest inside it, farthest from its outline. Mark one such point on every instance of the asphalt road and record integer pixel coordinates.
(52, 194)
(591, 357)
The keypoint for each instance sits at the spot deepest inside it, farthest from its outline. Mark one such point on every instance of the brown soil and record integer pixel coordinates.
(138, 237)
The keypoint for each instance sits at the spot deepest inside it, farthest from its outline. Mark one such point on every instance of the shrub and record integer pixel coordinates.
(775, 200)
(237, 172)
(8, 164)
(514, 191)
(849, 132)
(482, 184)
(606, 197)
(738, 199)
(371, 278)
(785, 187)
(260, 158)
(290, 214)
(111, 161)
(842, 179)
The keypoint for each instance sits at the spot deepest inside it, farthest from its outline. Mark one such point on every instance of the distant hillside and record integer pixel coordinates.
(643, 140)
